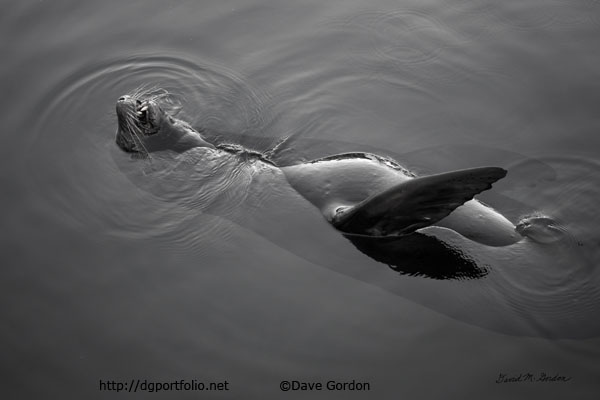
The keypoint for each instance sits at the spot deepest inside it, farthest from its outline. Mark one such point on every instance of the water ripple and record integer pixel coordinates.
(556, 285)
(83, 186)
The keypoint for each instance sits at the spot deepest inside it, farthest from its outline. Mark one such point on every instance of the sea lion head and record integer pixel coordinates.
(140, 117)
(146, 123)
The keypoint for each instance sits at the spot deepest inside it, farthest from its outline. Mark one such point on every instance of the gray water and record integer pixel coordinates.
(112, 270)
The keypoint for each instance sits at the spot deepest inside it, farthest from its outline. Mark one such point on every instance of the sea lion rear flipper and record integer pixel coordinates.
(416, 203)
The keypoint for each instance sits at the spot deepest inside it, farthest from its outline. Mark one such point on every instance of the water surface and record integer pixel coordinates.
(112, 275)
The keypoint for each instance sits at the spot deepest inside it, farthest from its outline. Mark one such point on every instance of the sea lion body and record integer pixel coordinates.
(358, 193)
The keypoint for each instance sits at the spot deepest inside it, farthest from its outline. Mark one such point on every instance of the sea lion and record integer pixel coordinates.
(358, 193)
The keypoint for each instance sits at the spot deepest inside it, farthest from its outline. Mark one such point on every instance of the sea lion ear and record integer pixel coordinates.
(416, 203)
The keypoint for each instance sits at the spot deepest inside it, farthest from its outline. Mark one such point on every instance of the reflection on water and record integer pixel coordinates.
(419, 255)
(218, 266)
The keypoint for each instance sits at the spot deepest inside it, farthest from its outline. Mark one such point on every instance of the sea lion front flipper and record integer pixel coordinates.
(416, 203)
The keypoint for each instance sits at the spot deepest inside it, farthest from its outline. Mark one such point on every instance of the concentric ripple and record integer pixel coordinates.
(84, 182)
(556, 286)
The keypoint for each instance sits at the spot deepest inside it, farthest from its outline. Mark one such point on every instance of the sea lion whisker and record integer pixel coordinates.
(141, 90)
(134, 92)
(134, 131)
(151, 91)
(160, 95)
(130, 120)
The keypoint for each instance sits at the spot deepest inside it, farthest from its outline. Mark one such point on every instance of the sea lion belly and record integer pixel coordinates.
(342, 180)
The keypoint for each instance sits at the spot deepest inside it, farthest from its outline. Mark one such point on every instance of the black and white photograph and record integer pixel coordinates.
(272, 199)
